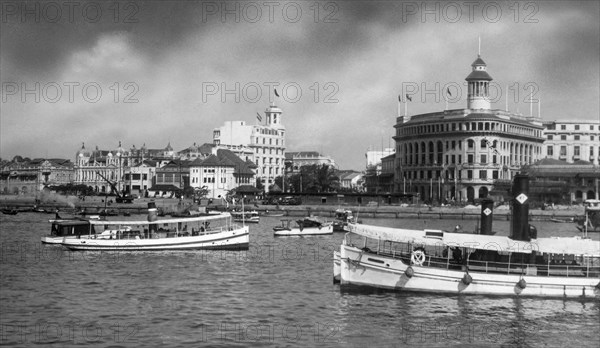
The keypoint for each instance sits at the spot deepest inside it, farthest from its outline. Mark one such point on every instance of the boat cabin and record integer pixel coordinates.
(486, 254)
(64, 228)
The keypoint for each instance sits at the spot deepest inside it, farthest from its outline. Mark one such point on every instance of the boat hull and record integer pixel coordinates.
(361, 268)
(337, 267)
(237, 239)
(306, 231)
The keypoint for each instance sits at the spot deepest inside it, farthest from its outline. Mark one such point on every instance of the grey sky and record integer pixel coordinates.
(351, 61)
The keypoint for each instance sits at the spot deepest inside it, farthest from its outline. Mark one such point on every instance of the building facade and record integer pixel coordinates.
(221, 172)
(139, 177)
(459, 154)
(265, 141)
(94, 168)
(572, 140)
(375, 180)
(295, 160)
(32, 176)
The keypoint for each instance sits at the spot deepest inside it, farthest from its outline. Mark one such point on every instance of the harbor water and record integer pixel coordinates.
(278, 293)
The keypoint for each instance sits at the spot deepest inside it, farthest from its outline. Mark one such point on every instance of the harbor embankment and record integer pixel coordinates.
(97, 204)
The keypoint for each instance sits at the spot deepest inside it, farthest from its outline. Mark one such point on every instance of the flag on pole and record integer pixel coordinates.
(448, 91)
(408, 97)
(276, 94)
(259, 117)
(400, 98)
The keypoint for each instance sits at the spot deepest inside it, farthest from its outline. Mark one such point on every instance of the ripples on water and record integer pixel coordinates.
(278, 293)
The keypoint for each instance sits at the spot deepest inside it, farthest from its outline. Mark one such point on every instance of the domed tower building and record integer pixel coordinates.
(458, 155)
(262, 143)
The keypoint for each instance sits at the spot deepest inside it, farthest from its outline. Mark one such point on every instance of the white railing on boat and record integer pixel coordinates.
(587, 266)
(132, 234)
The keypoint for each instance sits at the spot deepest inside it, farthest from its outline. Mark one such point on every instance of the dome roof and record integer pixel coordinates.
(478, 61)
(120, 149)
(479, 75)
(273, 108)
(83, 152)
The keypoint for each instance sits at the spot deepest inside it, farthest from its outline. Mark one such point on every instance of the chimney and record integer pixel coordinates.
(520, 208)
(487, 215)
(152, 216)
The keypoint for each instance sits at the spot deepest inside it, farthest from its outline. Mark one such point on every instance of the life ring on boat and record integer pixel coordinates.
(418, 257)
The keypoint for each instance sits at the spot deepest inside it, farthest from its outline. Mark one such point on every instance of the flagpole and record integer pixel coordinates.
(539, 106)
(406, 108)
(531, 103)
(506, 99)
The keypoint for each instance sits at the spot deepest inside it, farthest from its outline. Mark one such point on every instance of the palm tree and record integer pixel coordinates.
(326, 179)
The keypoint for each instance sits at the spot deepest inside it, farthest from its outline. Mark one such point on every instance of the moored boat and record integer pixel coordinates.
(451, 262)
(212, 231)
(7, 211)
(246, 216)
(342, 217)
(590, 222)
(304, 227)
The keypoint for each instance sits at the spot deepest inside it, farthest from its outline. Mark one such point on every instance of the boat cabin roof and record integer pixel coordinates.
(569, 245)
(70, 222)
(163, 221)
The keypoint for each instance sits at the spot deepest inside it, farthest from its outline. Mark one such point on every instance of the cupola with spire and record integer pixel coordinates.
(479, 82)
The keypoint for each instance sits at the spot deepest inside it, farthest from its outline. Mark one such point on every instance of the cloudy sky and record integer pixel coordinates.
(158, 72)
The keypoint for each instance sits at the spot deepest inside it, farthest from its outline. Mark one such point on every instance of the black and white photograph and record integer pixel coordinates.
(303, 173)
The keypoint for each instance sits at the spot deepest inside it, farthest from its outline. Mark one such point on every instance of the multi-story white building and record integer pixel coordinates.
(572, 140)
(295, 160)
(221, 172)
(91, 166)
(460, 154)
(139, 178)
(265, 141)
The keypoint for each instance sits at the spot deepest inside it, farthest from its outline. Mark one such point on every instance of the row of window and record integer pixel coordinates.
(420, 153)
(268, 131)
(468, 126)
(267, 160)
(257, 140)
(563, 150)
(564, 127)
(264, 151)
(482, 174)
(575, 137)
(270, 170)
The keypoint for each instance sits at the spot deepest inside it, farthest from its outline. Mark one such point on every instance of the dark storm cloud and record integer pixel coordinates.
(172, 47)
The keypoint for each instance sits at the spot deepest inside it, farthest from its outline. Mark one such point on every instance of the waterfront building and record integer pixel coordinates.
(221, 172)
(298, 159)
(351, 180)
(375, 180)
(196, 151)
(459, 154)
(139, 177)
(561, 182)
(25, 176)
(91, 166)
(171, 178)
(572, 140)
(265, 141)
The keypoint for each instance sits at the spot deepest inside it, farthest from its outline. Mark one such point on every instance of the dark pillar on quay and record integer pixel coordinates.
(520, 208)
(487, 215)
